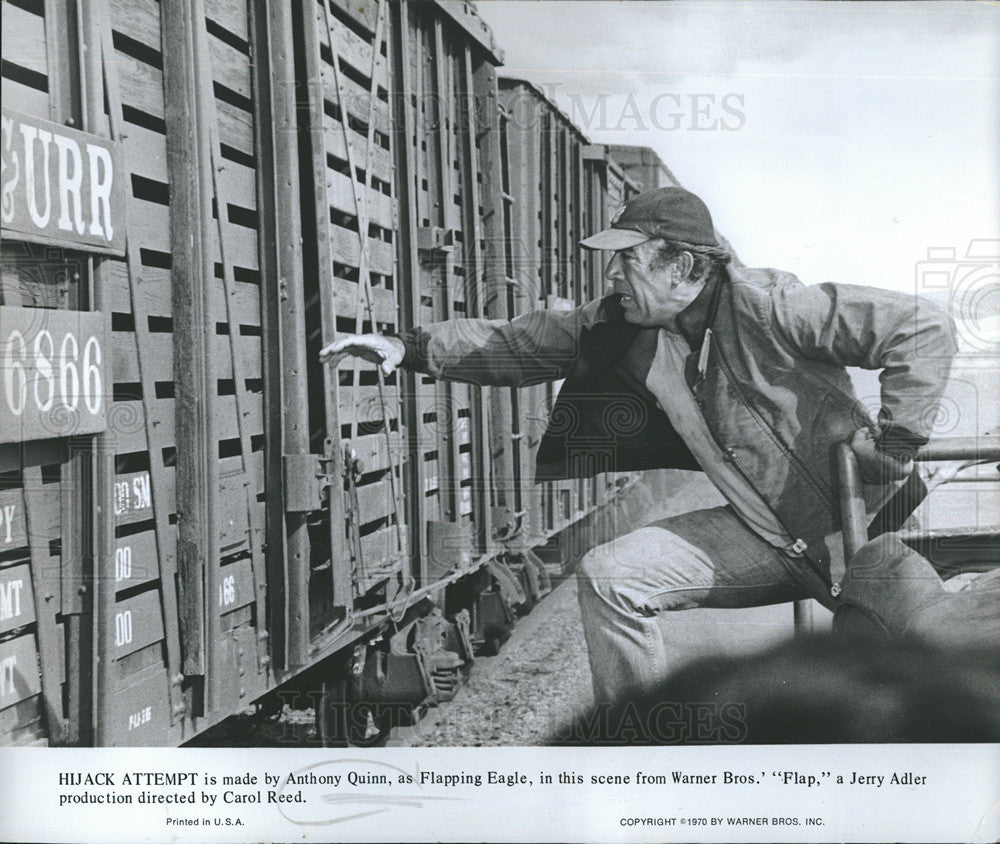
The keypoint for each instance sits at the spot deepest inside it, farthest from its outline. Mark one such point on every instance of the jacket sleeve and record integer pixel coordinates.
(532, 348)
(910, 339)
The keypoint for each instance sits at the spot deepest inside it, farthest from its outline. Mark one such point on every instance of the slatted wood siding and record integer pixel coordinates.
(35, 483)
(508, 426)
(141, 294)
(348, 207)
(445, 78)
(41, 488)
(607, 188)
(25, 70)
(143, 694)
(560, 193)
(415, 198)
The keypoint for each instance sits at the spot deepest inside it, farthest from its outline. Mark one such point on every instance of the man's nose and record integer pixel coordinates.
(613, 271)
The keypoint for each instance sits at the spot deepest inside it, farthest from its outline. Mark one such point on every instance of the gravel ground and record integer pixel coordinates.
(521, 695)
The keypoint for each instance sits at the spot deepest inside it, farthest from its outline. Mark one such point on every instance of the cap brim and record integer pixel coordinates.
(612, 240)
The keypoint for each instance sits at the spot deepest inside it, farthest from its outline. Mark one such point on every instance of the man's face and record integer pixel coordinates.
(651, 295)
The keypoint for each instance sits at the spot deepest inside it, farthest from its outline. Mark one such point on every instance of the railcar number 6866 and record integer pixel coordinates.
(52, 368)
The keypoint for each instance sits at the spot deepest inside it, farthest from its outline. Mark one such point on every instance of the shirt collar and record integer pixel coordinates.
(700, 314)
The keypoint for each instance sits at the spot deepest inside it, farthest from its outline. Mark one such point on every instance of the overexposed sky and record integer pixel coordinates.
(845, 139)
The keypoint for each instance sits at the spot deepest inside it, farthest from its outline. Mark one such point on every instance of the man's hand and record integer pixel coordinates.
(876, 466)
(387, 352)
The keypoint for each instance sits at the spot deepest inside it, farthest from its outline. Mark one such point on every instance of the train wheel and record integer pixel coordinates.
(342, 720)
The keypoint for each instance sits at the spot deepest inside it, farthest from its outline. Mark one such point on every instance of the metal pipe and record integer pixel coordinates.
(802, 614)
(66, 80)
(269, 576)
(502, 436)
(853, 518)
(102, 516)
(407, 272)
(961, 448)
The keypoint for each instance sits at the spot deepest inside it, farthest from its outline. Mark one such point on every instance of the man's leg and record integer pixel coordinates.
(705, 558)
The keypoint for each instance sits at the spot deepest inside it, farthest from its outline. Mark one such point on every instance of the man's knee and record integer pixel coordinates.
(628, 570)
(594, 566)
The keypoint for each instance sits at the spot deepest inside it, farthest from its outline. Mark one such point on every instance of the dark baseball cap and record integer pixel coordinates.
(670, 213)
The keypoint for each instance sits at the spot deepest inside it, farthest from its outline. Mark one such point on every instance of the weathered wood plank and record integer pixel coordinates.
(17, 602)
(149, 227)
(139, 20)
(135, 559)
(335, 145)
(355, 49)
(230, 15)
(363, 11)
(141, 84)
(145, 152)
(141, 715)
(375, 501)
(347, 294)
(373, 451)
(369, 406)
(126, 425)
(230, 67)
(346, 248)
(24, 99)
(154, 293)
(23, 39)
(340, 193)
(125, 365)
(20, 679)
(135, 623)
(357, 98)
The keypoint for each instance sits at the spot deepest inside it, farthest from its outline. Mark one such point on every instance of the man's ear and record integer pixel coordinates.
(685, 262)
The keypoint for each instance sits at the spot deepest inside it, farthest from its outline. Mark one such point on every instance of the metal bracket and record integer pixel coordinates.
(435, 239)
(594, 152)
(305, 479)
(449, 546)
(510, 586)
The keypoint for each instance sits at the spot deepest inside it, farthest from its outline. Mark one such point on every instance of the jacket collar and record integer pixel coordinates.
(700, 314)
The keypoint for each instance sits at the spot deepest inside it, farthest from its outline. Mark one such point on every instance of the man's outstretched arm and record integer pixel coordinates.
(536, 347)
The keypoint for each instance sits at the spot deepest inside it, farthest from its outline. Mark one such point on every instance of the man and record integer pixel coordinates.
(694, 363)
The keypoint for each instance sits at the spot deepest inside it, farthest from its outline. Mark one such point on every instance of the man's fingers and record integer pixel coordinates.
(332, 355)
(385, 352)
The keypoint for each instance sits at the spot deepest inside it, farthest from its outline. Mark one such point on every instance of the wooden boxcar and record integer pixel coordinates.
(198, 195)
(561, 189)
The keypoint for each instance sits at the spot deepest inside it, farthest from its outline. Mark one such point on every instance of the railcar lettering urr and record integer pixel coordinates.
(59, 185)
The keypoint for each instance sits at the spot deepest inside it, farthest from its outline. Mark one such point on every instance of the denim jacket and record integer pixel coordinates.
(775, 392)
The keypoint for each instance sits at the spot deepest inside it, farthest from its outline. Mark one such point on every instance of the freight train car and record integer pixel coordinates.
(560, 187)
(194, 512)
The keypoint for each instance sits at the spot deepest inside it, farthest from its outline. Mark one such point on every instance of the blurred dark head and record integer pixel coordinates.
(812, 689)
